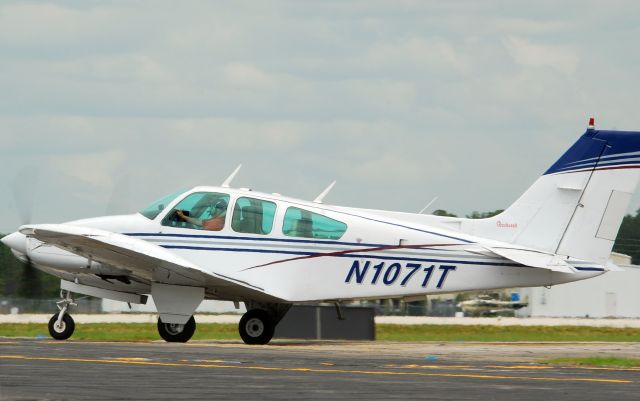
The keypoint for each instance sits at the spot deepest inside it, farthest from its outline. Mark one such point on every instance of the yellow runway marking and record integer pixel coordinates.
(414, 366)
(312, 370)
(131, 359)
(80, 342)
(514, 367)
(543, 367)
(526, 344)
(632, 369)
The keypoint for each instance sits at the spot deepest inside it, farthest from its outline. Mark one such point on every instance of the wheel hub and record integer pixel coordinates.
(174, 328)
(60, 327)
(255, 327)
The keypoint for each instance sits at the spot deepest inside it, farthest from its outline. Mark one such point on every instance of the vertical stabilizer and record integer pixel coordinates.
(577, 206)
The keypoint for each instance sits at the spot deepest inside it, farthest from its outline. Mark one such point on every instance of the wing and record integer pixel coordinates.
(138, 257)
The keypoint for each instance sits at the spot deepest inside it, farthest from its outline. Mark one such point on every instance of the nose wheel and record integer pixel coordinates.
(63, 329)
(61, 324)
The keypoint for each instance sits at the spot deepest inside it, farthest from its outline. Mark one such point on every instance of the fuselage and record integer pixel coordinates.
(304, 251)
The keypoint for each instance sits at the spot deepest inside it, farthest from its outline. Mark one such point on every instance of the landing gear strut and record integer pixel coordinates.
(61, 324)
(177, 333)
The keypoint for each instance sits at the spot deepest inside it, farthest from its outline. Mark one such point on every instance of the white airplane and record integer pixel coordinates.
(486, 305)
(270, 251)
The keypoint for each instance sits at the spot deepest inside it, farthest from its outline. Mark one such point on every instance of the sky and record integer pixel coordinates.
(107, 105)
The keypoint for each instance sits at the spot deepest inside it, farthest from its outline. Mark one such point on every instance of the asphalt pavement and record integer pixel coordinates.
(307, 370)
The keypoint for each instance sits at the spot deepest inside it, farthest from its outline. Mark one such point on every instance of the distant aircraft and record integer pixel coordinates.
(270, 251)
(485, 305)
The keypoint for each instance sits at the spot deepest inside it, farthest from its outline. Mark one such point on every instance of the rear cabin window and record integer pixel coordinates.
(253, 216)
(306, 224)
(199, 211)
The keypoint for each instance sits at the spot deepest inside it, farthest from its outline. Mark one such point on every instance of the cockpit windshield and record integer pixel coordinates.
(153, 210)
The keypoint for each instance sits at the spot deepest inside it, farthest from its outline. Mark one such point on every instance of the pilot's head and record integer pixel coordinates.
(220, 208)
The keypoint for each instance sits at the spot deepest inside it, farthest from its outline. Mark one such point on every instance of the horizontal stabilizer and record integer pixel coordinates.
(612, 267)
(532, 258)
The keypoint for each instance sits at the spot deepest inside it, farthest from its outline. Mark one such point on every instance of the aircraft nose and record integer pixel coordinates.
(16, 241)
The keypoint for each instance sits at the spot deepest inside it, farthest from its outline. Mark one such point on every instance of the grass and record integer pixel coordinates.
(119, 332)
(387, 332)
(596, 362)
(384, 332)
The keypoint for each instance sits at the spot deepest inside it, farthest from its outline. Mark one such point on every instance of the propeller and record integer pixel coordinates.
(24, 187)
(120, 194)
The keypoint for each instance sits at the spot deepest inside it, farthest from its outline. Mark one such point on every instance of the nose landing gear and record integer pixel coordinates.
(61, 324)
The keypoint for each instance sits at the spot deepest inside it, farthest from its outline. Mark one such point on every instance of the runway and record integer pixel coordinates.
(77, 370)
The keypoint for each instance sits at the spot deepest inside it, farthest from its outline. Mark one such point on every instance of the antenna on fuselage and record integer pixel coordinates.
(324, 193)
(227, 182)
(428, 205)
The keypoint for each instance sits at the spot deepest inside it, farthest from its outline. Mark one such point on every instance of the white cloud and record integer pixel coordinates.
(31, 24)
(96, 169)
(248, 76)
(425, 53)
(420, 98)
(526, 26)
(562, 58)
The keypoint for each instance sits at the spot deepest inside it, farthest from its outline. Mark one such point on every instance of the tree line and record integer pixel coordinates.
(19, 280)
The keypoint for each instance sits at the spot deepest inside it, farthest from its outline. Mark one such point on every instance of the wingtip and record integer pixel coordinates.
(27, 229)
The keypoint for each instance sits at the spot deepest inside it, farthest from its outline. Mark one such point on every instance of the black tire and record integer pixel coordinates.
(177, 333)
(256, 327)
(67, 326)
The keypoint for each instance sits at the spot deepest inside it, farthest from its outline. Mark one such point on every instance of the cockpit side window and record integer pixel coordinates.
(306, 224)
(199, 211)
(253, 216)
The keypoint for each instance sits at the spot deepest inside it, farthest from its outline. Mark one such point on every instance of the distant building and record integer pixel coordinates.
(613, 294)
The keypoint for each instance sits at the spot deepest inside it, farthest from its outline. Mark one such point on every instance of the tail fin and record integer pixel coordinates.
(576, 207)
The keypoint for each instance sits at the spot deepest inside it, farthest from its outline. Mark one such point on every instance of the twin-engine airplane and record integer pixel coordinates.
(270, 251)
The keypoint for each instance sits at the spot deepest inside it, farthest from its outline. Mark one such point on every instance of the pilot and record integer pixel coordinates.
(214, 223)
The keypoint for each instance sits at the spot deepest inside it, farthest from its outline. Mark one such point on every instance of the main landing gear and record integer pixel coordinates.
(258, 325)
(61, 324)
(177, 333)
